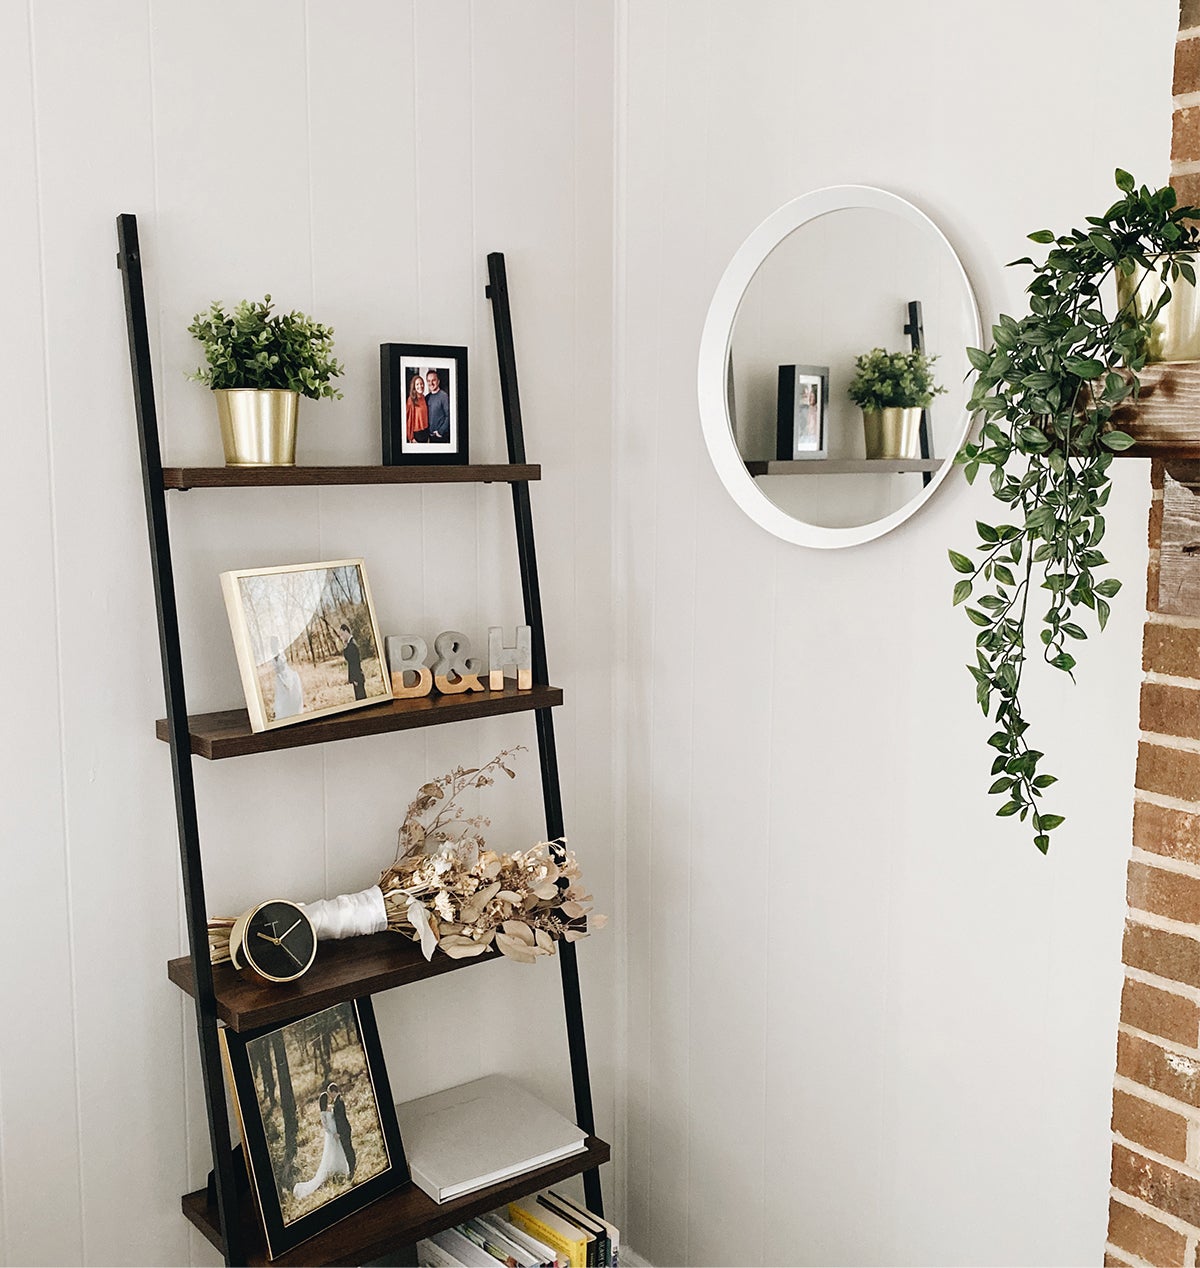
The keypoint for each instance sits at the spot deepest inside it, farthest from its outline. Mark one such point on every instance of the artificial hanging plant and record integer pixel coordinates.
(1046, 391)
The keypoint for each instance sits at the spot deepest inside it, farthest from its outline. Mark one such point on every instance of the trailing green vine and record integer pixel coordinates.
(1046, 392)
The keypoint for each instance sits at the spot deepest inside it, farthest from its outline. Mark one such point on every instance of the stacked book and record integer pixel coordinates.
(487, 1133)
(480, 1134)
(547, 1230)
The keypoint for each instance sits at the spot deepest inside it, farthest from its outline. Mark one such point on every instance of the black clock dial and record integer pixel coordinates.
(279, 941)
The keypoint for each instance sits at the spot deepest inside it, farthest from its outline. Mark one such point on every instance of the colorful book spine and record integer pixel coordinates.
(553, 1236)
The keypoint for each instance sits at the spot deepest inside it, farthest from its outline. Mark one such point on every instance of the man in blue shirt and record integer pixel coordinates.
(439, 409)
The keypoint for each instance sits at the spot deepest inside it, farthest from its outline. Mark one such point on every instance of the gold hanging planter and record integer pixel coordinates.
(1175, 332)
(258, 426)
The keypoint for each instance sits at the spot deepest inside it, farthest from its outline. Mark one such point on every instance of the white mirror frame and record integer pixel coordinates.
(714, 360)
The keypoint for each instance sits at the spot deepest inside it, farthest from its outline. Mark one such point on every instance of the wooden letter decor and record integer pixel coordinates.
(455, 670)
(1179, 557)
(501, 658)
(406, 655)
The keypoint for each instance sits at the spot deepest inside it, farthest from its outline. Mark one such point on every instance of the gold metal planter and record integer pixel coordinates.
(258, 426)
(1175, 334)
(894, 432)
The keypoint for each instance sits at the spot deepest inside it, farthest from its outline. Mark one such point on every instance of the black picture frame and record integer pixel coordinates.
(263, 1077)
(801, 435)
(398, 363)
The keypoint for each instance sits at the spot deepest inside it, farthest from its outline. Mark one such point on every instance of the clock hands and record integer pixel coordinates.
(279, 942)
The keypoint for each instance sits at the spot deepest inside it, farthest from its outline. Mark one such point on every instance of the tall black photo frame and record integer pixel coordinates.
(403, 441)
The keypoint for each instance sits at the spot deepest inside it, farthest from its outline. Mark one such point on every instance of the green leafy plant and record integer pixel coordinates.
(1046, 391)
(253, 347)
(883, 380)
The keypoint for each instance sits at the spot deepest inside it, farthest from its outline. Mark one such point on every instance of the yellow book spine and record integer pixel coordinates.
(576, 1252)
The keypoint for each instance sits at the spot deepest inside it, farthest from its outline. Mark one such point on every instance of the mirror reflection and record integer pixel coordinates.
(826, 305)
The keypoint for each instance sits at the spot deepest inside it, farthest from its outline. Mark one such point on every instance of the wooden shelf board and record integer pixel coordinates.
(402, 1217)
(275, 477)
(228, 734)
(343, 970)
(1165, 419)
(844, 466)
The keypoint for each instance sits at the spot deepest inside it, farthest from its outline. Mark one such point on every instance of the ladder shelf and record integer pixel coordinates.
(224, 1212)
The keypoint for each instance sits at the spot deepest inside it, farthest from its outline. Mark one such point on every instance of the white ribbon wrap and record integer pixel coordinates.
(348, 915)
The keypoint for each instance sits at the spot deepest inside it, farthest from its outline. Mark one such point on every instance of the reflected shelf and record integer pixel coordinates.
(845, 466)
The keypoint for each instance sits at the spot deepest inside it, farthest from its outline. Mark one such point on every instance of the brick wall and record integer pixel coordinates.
(1154, 1203)
(1154, 1208)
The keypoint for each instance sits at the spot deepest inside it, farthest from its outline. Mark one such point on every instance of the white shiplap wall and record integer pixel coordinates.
(868, 1023)
(358, 161)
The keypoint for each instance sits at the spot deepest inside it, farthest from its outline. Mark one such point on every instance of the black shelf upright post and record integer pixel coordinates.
(130, 263)
(497, 292)
(915, 330)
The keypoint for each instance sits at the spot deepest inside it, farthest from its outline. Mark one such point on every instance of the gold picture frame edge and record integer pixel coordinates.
(247, 668)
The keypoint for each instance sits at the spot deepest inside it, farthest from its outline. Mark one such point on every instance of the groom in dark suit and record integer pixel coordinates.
(342, 1122)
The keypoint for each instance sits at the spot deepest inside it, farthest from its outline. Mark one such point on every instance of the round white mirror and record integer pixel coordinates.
(829, 277)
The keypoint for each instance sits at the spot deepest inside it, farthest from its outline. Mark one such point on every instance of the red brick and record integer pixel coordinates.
(1170, 894)
(1172, 833)
(1172, 772)
(1185, 135)
(1170, 710)
(1187, 67)
(1158, 1129)
(1189, 14)
(1158, 1185)
(1171, 649)
(1160, 1012)
(1145, 1237)
(1166, 1072)
(1187, 188)
(1167, 955)
(1111, 1261)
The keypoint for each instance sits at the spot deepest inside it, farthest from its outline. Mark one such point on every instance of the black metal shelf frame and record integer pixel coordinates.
(130, 263)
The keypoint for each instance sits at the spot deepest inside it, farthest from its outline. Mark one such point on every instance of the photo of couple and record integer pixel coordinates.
(306, 639)
(426, 405)
(316, 1099)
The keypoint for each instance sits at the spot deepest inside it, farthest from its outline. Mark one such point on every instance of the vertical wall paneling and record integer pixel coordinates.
(38, 1091)
(358, 165)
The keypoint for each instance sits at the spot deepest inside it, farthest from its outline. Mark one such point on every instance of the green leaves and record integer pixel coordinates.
(1046, 391)
(254, 348)
(886, 379)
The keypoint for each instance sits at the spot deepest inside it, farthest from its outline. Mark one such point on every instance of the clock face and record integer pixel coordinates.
(279, 942)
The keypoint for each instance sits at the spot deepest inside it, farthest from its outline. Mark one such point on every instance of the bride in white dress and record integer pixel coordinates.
(289, 691)
(333, 1156)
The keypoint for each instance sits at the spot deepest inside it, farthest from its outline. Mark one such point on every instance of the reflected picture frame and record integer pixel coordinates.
(802, 409)
(362, 1083)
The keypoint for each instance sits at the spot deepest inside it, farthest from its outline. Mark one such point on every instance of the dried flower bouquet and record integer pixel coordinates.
(447, 890)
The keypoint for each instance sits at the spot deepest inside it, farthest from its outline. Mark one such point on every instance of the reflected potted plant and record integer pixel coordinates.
(891, 389)
(258, 364)
(1046, 391)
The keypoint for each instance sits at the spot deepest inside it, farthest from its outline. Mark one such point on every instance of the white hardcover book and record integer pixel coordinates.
(463, 1250)
(480, 1133)
(544, 1254)
(431, 1255)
